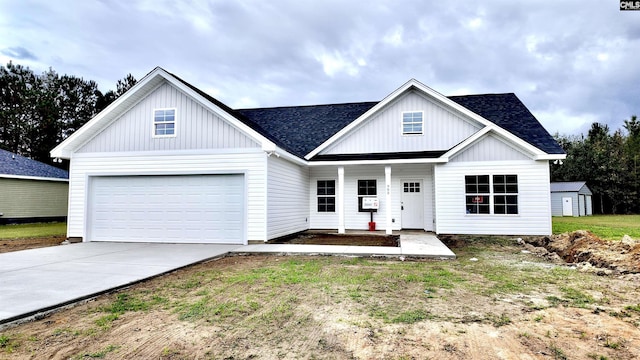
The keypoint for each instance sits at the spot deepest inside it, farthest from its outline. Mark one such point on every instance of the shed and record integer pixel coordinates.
(31, 191)
(572, 198)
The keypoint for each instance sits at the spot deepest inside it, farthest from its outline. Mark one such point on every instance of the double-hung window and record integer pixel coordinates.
(164, 122)
(326, 191)
(497, 194)
(412, 123)
(366, 188)
(505, 194)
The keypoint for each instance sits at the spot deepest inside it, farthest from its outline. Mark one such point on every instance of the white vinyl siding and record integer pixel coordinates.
(251, 163)
(490, 148)
(534, 213)
(442, 129)
(287, 198)
(356, 220)
(196, 127)
(556, 202)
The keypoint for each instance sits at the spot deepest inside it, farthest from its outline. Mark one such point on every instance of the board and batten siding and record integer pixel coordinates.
(287, 198)
(534, 208)
(196, 127)
(490, 148)
(251, 162)
(22, 198)
(355, 220)
(442, 129)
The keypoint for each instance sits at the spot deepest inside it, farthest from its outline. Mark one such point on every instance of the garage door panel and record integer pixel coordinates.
(190, 208)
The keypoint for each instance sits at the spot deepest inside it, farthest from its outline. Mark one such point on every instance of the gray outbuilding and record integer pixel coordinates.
(31, 191)
(572, 198)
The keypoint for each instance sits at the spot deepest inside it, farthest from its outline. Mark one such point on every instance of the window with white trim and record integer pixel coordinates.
(326, 191)
(412, 123)
(164, 122)
(496, 195)
(366, 188)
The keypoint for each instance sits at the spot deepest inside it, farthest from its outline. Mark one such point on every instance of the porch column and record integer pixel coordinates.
(340, 200)
(387, 196)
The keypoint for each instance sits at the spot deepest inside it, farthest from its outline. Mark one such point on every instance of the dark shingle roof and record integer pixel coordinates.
(508, 112)
(13, 164)
(300, 129)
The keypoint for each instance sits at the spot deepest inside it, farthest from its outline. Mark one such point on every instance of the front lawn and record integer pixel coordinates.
(610, 227)
(494, 301)
(25, 231)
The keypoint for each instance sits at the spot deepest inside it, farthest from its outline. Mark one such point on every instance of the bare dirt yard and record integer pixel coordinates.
(501, 299)
(8, 245)
(323, 238)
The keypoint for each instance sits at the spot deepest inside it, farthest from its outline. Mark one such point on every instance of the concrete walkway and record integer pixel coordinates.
(36, 281)
(416, 244)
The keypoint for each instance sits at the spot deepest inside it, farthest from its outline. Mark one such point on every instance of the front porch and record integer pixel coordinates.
(413, 244)
(403, 193)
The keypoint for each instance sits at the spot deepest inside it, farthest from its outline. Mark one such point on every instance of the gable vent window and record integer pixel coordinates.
(164, 122)
(326, 195)
(412, 123)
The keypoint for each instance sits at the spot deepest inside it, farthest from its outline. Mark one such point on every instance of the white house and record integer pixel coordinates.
(168, 163)
(571, 198)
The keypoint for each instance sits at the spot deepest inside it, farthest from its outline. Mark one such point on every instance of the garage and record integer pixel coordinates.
(167, 208)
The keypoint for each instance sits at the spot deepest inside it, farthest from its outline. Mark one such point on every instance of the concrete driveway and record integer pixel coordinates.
(34, 281)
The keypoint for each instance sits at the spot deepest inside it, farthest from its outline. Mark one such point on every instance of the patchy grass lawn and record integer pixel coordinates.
(27, 231)
(609, 227)
(507, 304)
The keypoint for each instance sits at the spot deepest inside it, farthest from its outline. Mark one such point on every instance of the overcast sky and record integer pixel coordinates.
(571, 62)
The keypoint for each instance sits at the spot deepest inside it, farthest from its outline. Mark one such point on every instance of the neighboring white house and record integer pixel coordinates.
(168, 163)
(571, 198)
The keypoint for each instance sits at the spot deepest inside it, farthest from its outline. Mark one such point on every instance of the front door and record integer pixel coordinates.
(412, 204)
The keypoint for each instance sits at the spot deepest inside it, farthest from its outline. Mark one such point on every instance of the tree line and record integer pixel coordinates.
(38, 111)
(608, 162)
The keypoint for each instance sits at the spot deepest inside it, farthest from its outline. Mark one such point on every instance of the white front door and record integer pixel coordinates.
(567, 206)
(412, 202)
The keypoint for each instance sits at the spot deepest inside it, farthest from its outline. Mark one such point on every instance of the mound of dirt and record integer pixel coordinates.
(585, 248)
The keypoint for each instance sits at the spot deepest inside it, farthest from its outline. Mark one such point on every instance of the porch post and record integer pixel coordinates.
(387, 198)
(340, 202)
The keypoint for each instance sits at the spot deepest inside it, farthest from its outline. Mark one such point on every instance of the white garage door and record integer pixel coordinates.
(176, 209)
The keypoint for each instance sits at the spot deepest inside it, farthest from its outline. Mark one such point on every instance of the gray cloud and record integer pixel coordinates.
(18, 52)
(570, 62)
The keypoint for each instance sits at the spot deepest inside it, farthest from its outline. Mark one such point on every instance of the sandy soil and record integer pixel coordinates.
(32, 243)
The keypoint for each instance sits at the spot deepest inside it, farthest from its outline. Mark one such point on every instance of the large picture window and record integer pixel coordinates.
(326, 192)
(497, 194)
(366, 188)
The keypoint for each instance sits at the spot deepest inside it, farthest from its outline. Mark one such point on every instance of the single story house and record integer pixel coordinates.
(31, 191)
(571, 198)
(166, 162)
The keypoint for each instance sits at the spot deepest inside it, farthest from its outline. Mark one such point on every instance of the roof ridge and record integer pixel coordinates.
(308, 106)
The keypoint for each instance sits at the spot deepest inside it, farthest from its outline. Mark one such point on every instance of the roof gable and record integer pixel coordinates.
(19, 166)
(145, 86)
